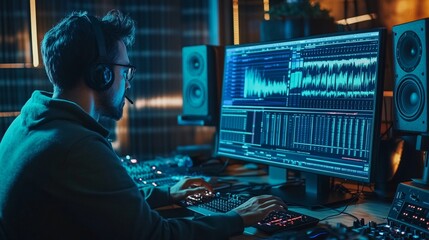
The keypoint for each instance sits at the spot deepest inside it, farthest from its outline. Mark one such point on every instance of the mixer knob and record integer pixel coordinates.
(372, 224)
(356, 224)
(417, 235)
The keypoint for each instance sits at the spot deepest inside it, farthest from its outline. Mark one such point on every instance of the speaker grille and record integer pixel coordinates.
(195, 93)
(201, 83)
(409, 51)
(410, 98)
(195, 64)
(411, 79)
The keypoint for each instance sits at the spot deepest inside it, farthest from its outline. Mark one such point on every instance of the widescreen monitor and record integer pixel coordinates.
(311, 104)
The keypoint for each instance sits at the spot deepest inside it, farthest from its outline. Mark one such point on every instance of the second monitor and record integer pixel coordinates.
(311, 104)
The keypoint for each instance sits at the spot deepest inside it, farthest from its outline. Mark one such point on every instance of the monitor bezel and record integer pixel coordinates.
(374, 160)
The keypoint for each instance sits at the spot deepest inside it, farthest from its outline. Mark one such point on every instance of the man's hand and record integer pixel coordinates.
(257, 208)
(189, 186)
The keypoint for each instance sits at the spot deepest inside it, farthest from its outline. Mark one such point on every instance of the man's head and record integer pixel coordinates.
(85, 48)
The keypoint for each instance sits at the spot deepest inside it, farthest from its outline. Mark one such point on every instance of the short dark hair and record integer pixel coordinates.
(69, 48)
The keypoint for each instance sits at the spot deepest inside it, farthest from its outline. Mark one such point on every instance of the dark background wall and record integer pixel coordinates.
(149, 127)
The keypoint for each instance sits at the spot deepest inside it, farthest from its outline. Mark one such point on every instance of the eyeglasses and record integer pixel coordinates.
(129, 73)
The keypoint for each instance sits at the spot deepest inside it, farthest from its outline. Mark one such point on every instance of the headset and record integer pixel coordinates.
(100, 75)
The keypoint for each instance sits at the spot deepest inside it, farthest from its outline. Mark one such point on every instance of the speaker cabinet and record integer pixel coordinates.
(411, 76)
(202, 73)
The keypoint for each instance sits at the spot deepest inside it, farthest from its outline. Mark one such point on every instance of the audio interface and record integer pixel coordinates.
(410, 208)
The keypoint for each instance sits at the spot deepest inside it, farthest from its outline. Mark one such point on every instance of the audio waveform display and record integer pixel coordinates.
(310, 104)
(256, 85)
(350, 78)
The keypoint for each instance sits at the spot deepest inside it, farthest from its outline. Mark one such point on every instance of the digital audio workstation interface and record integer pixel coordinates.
(309, 104)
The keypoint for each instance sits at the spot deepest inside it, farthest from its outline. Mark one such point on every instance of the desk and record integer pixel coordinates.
(375, 210)
(369, 209)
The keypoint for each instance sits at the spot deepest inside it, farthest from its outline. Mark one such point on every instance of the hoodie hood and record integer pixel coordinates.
(36, 113)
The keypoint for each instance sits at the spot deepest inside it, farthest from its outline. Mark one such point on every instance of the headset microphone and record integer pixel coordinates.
(129, 100)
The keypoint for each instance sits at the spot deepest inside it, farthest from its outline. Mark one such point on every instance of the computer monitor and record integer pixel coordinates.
(311, 104)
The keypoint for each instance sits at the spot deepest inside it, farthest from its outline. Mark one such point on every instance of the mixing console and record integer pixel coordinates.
(158, 172)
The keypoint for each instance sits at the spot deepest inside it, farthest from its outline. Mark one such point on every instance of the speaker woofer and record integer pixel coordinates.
(195, 93)
(195, 64)
(409, 51)
(410, 98)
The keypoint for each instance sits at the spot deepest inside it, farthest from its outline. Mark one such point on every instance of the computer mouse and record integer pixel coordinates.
(318, 233)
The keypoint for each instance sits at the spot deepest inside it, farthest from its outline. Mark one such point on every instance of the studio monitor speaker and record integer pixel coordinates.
(411, 76)
(202, 73)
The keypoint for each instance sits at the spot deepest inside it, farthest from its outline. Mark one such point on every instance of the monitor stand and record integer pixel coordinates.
(317, 191)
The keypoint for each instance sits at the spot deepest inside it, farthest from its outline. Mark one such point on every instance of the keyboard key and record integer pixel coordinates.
(276, 221)
(286, 220)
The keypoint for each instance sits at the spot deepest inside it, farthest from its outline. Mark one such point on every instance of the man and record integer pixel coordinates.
(61, 179)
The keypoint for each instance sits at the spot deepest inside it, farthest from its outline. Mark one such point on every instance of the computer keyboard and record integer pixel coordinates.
(209, 203)
(159, 173)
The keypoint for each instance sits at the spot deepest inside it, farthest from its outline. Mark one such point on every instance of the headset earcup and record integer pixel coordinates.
(100, 77)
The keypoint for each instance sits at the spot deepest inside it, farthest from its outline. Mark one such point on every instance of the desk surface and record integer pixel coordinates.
(375, 210)
(368, 209)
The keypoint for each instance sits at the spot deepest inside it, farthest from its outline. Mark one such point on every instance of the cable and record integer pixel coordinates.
(225, 164)
(355, 197)
(210, 168)
(385, 112)
(387, 131)
(387, 121)
(359, 193)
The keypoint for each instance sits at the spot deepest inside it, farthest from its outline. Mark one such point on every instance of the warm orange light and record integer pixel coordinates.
(401, 11)
(9, 114)
(396, 157)
(122, 126)
(15, 65)
(357, 19)
(266, 9)
(388, 94)
(164, 102)
(33, 24)
(235, 22)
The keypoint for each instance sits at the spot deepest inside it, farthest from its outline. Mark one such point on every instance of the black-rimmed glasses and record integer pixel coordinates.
(131, 70)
